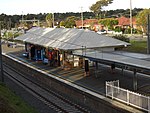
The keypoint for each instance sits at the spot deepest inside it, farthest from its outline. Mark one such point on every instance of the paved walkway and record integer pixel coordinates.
(94, 82)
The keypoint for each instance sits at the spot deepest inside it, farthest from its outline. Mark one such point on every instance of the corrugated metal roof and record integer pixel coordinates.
(124, 58)
(65, 38)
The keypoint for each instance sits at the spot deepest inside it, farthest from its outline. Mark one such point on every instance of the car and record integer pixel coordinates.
(118, 33)
(26, 54)
(102, 32)
(110, 32)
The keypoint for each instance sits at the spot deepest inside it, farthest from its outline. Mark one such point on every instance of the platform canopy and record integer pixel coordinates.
(127, 59)
(69, 38)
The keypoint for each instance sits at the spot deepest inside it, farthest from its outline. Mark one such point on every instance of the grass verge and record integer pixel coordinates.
(10, 103)
(137, 46)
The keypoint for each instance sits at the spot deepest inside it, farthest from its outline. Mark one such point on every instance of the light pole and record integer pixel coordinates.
(53, 20)
(1, 62)
(22, 20)
(148, 34)
(131, 16)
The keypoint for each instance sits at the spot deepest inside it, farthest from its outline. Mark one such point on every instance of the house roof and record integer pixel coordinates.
(126, 21)
(68, 39)
(86, 22)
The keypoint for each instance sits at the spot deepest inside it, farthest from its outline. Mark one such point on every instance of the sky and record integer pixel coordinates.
(19, 7)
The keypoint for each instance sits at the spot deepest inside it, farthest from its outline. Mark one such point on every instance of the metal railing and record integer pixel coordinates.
(130, 98)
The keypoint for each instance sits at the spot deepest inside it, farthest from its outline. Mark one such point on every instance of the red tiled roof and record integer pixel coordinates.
(86, 22)
(123, 21)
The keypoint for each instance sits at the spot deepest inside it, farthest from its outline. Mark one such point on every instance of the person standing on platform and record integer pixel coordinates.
(112, 68)
(86, 68)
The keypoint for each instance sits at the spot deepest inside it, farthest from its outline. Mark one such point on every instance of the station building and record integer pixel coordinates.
(66, 47)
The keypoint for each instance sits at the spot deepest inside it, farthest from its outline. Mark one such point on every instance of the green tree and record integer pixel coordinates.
(141, 19)
(70, 22)
(62, 23)
(108, 22)
(8, 35)
(49, 19)
(97, 7)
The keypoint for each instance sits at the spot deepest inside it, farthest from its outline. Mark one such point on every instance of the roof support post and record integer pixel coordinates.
(82, 50)
(96, 63)
(63, 58)
(85, 50)
(96, 66)
(73, 60)
(135, 80)
(122, 71)
(58, 58)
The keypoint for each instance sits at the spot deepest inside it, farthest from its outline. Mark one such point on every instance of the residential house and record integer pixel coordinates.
(86, 23)
(89, 23)
(125, 22)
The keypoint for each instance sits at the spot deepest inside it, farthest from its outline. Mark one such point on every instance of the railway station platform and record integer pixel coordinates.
(95, 82)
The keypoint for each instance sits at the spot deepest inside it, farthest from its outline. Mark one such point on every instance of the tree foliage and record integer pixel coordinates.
(70, 22)
(8, 35)
(62, 23)
(141, 19)
(108, 22)
(11, 21)
(49, 19)
(97, 7)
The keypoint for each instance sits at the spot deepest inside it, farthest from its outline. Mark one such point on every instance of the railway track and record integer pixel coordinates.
(49, 97)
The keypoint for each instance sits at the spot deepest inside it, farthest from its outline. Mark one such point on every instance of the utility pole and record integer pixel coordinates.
(9, 23)
(22, 17)
(38, 23)
(148, 34)
(82, 16)
(131, 16)
(53, 20)
(1, 62)
(22, 21)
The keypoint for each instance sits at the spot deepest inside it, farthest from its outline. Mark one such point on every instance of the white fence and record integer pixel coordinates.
(130, 98)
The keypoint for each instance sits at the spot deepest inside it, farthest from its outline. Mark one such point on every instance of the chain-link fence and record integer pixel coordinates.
(130, 98)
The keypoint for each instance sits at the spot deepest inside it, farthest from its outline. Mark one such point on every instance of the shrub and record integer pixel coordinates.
(134, 31)
(127, 31)
(121, 37)
(117, 29)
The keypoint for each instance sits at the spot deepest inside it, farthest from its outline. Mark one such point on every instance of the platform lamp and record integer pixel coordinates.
(1, 62)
